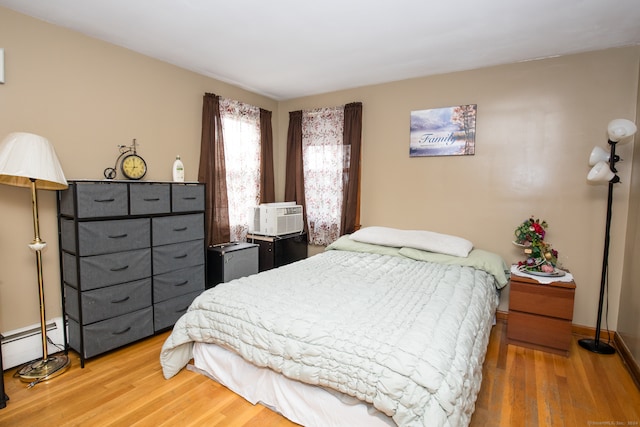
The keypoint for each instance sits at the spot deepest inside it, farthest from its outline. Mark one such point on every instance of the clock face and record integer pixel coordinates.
(133, 167)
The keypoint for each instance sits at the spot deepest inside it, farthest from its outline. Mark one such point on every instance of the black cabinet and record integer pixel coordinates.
(231, 261)
(276, 251)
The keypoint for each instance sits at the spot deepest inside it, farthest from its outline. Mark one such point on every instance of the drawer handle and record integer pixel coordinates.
(182, 283)
(180, 256)
(103, 200)
(118, 236)
(182, 310)
(120, 268)
(181, 229)
(123, 331)
(189, 198)
(120, 300)
(155, 199)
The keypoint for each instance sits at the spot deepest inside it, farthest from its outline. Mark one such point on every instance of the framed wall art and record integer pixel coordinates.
(449, 131)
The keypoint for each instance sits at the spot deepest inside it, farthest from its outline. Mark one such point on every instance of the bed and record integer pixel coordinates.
(370, 332)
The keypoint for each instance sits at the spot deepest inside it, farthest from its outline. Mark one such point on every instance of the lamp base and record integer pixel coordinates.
(596, 346)
(43, 370)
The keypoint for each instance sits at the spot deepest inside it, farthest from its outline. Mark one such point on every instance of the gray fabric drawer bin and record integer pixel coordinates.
(179, 228)
(108, 302)
(187, 197)
(166, 313)
(112, 333)
(95, 199)
(179, 255)
(150, 199)
(110, 269)
(103, 237)
(178, 282)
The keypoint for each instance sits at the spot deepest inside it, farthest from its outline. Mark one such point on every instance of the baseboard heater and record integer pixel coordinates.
(25, 344)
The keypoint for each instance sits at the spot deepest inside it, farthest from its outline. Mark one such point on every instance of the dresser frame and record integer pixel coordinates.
(168, 271)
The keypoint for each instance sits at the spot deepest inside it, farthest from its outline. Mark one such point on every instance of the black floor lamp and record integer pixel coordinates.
(28, 160)
(604, 170)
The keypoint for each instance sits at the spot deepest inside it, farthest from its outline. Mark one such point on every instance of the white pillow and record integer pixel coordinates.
(418, 239)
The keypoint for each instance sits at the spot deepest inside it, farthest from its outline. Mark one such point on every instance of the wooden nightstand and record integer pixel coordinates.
(540, 315)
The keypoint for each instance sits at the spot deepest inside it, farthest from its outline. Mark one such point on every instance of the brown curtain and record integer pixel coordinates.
(352, 137)
(267, 190)
(212, 171)
(294, 179)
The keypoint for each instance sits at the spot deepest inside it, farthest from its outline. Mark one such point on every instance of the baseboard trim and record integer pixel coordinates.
(627, 358)
(618, 342)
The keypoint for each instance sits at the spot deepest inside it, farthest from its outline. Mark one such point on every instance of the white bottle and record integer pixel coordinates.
(178, 170)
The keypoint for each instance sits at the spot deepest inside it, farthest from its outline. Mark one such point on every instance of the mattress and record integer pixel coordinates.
(403, 335)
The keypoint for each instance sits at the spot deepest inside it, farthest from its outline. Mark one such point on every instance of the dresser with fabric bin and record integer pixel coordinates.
(132, 259)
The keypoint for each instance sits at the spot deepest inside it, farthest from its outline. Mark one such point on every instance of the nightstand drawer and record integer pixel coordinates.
(539, 331)
(543, 300)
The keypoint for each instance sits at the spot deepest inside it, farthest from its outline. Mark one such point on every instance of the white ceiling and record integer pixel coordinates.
(285, 49)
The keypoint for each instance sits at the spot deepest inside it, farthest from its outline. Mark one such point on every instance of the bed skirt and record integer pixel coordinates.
(301, 403)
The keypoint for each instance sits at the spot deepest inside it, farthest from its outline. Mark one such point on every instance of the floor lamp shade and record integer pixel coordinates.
(28, 160)
(25, 156)
(619, 129)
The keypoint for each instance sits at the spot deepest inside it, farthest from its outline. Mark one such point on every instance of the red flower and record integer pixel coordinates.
(538, 229)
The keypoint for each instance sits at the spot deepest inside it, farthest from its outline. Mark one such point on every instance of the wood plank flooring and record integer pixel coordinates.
(521, 387)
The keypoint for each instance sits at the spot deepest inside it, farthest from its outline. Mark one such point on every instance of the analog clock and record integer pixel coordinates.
(133, 166)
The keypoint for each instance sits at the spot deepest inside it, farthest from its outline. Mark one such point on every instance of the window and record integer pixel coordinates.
(241, 132)
(323, 159)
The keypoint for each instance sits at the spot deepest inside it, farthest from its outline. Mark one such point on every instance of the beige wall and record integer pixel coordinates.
(537, 122)
(86, 97)
(628, 322)
(536, 125)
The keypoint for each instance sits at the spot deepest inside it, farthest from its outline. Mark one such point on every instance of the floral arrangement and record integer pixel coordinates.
(540, 255)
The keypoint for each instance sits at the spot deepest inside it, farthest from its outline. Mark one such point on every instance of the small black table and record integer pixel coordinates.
(276, 251)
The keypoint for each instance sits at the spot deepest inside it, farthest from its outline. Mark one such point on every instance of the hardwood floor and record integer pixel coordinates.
(521, 387)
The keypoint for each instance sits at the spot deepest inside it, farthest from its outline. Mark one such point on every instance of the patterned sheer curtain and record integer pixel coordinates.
(241, 129)
(323, 157)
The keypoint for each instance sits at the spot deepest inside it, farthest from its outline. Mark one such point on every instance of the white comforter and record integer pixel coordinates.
(407, 336)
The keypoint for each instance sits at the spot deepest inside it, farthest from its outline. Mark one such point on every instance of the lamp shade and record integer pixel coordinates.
(598, 154)
(601, 172)
(25, 156)
(621, 128)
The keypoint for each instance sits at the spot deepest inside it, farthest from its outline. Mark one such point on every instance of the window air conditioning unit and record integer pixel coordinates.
(276, 219)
